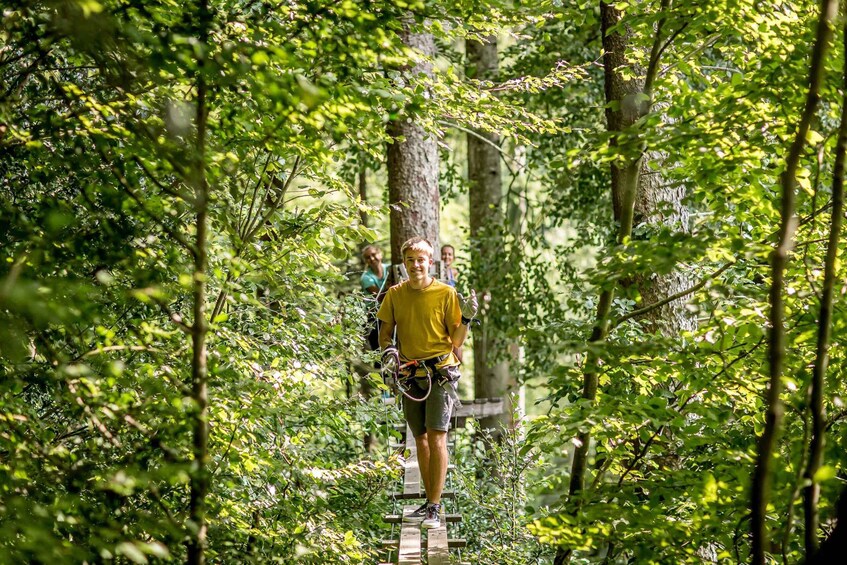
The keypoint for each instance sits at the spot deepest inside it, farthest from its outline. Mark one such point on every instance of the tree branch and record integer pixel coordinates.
(671, 298)
(154, 180)
(656, 51)
(811, 493)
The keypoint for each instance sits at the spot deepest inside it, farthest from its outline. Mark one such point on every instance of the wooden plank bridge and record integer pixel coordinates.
(407, 548)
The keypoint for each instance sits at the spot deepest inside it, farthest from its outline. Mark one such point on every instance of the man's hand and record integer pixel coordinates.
(390, 366)
(390, 361)
(469, 305)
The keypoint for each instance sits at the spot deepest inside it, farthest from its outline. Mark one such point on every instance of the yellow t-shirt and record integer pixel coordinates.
(425, 319)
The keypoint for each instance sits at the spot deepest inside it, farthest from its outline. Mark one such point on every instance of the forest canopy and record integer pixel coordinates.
(646, 196)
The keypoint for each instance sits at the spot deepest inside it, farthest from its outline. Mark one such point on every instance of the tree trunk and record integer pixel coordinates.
(651, 193)
(625, 178)
(628, 100)
(760, 483)
(200, 327)
(811, 493)
(363, 193)
(652, 200)
(413, 169)
(491, 378)
(622, 115)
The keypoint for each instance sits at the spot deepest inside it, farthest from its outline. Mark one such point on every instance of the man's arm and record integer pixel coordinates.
(369, 283)
(467, 308)
(373, 289)
(458, 335)
(386, 334)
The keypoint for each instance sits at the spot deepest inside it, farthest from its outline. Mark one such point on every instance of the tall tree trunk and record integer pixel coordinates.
(632, 100)
(659, 204)
(363, 193)
(200, 327)
(365, 387)
(650, 193)
(760, 483)
(625, 179)
(811, 493)
(413, 168)
(491, 378)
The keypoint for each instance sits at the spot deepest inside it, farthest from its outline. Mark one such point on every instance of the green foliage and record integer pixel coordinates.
(98, 133)
(98, 200)
(499, 478)
(676, 419)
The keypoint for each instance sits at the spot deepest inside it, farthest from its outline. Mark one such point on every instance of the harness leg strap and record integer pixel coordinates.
(446, 384)
(451, 392)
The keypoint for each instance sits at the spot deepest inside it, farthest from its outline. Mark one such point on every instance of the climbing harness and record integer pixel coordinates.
(399, 376)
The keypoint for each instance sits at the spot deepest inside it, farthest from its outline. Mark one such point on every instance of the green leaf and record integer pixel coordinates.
(825, 473)
(131, 552)
(813, 138)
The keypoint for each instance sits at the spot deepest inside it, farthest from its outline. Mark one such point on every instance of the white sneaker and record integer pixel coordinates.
(416, 515)
(433, 516)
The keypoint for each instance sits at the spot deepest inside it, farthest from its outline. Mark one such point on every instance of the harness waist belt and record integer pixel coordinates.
(444, 381)
(433, 362)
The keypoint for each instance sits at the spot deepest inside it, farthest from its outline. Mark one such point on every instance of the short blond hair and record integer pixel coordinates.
(417, 244)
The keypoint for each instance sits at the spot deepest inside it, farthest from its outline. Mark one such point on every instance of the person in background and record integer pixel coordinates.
(431, 321)
(448, 254)
(373, 282)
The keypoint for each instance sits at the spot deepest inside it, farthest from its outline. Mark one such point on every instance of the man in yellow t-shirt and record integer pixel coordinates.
(431, 320)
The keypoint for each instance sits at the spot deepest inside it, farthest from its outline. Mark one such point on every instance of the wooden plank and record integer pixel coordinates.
(397, 518)
(414, 495)
(402, 444)
(457, 543)
(437, 551)
(409, 552)
(480, 409)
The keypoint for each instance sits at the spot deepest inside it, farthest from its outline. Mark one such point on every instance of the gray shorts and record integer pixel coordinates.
(435, 412)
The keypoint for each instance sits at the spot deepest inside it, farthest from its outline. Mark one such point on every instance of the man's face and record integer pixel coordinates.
(417, 264)
(447, 255)
(373, 258)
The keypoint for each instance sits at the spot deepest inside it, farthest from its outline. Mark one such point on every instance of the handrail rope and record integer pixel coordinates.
(387, 427)
(388, 436)
(456, 500)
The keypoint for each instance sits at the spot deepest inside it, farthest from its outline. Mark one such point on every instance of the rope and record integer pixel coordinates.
(400, 376)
